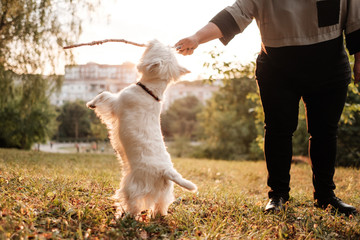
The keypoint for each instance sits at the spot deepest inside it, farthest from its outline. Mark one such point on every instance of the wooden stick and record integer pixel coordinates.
(105, 41)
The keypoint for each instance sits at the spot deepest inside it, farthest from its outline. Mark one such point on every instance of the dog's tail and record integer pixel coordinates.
(176, 177)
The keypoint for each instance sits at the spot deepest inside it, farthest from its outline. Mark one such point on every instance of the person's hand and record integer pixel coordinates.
(186, 46)
(357, 68)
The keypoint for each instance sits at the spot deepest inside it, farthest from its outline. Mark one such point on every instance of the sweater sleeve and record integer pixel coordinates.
(227, 25)
(234, 19)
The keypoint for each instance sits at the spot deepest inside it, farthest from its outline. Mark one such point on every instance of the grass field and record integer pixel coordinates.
(66, 196)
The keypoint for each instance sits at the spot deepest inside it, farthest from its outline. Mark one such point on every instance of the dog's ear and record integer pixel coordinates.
(179, 72)
(154, 66)
(183, 71)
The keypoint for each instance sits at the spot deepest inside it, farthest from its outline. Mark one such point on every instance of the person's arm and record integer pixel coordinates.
(357, 67)
(224, 26)
(186, 46)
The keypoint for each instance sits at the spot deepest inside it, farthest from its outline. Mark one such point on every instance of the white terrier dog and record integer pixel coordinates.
(133, 119)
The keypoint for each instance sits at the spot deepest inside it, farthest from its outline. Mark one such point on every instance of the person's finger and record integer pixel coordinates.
(185, 46)
(186, 43)
(178, 45)
(182, 52)
(182, 44)
(188, 51)
(191, 51)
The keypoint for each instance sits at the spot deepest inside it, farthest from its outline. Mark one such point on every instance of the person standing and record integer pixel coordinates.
(302, 57)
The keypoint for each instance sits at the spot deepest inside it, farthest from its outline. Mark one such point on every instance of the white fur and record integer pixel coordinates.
(133, 119)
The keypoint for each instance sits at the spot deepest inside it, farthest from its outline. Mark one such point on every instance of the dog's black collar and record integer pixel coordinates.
(148, 91)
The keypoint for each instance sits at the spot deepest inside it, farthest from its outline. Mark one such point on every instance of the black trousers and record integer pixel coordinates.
(281, 89)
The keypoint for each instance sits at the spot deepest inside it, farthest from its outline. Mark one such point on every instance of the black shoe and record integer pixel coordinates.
(275, 204)
(336, 204)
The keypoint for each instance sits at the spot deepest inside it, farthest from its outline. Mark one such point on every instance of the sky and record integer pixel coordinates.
(166, 20)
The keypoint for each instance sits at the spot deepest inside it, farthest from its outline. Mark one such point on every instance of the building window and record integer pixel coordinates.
(93, 87)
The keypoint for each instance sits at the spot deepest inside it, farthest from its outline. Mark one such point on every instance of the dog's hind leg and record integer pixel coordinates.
(119, 204)
(165, 198)
(135, 191)
(132, 207)
(125, 203)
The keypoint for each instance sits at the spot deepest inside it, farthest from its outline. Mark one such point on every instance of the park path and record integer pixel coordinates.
(62, 147)
(83, 147)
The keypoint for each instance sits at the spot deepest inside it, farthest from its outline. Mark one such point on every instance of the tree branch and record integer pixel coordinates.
(105, 41)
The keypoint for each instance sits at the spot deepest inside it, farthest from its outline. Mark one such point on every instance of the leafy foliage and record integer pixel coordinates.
(228, 122)
(32, 34)
(77, 122)
(228, 119)
(180, 119)
(26, 113)
(97, 128)
(180, 126)
(74, 119)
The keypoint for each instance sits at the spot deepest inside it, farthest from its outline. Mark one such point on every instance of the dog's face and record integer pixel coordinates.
(159, 61)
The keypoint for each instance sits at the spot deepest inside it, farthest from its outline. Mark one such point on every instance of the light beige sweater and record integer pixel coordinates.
(296, 22)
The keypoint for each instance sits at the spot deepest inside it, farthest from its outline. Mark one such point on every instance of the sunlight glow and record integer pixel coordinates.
(166, 20)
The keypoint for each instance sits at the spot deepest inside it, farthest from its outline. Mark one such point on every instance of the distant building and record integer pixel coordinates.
(84, 82)
(185, 88)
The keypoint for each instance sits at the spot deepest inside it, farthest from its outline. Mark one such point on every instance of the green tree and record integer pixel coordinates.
(228, 119)
(25, 113)
(77, 122)
(180, 119)
(32, 34)
(180, 125)
(74, 121)
(98, 130)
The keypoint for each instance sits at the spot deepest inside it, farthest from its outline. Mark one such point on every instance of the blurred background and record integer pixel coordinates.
(214, 112)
